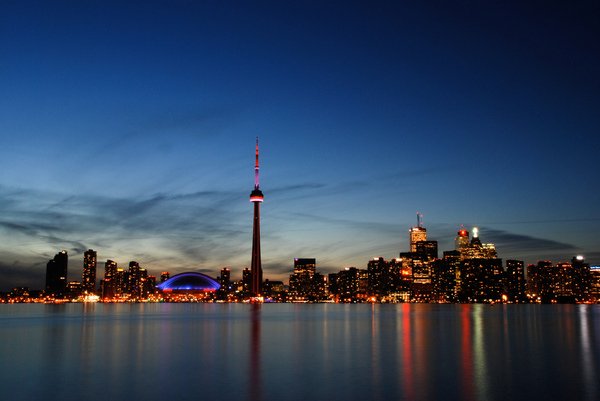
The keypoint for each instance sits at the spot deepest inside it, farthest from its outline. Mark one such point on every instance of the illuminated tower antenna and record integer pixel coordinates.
(419, 220)
(256, 167)
(256, 197)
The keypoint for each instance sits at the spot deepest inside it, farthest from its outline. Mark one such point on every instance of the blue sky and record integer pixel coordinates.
(130, 129)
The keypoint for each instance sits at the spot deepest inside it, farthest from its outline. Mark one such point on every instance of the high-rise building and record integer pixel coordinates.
(88, 282)
(416, 234)
(582, 279)
(481, 280)
(305, 266)
(462, 240)
(446, 277)
(56, 274)
(379, 277)
(305, 283)
(346, 286)
(109, 284)
(515, 281)
(164, 276)
(429, 249)
(256, 197)
(595, 283)
(540, 278)
(226, 285)
(225, 278)
(247, 280)
(474, 249)
(121, 282)
(135, 280)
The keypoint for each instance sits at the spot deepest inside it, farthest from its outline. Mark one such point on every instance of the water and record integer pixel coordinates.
(299, 352)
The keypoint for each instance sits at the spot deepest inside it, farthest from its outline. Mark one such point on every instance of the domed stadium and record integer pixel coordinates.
(191, 282)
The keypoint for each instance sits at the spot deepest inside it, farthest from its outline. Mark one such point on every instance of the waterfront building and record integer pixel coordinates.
(379, 278)
(56, 274)
(595, 284)
(446, 275)
(482, 280)
(345, 285)
(88, 282)
(134, 280)
(539, 281)
(515, 281)
(305, 283)
(109, 283)
(246, 280)
(188, 286)
(582, 279)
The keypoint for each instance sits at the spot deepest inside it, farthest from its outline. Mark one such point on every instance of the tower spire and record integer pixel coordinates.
(256, 168)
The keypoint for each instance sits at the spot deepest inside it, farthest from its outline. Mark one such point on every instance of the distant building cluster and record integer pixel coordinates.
(471, 273)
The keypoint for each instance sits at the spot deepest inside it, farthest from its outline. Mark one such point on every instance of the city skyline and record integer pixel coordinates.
(127, 129)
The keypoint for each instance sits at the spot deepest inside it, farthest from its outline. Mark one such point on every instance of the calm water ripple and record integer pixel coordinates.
(299, 352)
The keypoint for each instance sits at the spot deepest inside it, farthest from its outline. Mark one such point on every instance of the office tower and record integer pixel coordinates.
(121, 282)
(595, 284)
(305, 283)
(56, 274)
(378, 277)
(109, 286)
(582, 279)
(226, 285)
(88, 282)
(429, 249)
(515, 281)
(481, 280)
(462, 240)
(345, 287)
(305, 266)
(446, 277)
(256, 197)
(540, 281)
(164, 276)
(247, 280)
(134, 282)
(225, 278)
(418, 233)
(474, 249)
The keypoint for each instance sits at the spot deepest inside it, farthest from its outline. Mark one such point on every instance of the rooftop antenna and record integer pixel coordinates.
(419, 220)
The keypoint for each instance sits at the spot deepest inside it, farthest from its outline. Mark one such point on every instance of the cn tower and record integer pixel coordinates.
(256, 197)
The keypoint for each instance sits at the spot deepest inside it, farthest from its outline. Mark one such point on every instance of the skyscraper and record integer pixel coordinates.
(110, 279)
(88, 282)
(56, 273)
(256, 197)
(417, 234)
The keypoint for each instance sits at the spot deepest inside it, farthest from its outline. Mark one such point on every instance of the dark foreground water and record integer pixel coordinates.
(116, 352)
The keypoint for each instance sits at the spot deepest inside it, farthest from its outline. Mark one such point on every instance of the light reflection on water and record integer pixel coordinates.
(299, 352)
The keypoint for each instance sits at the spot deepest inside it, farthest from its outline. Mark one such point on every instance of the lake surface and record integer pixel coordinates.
(116, 352)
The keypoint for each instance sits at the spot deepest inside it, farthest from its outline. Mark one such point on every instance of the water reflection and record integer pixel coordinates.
(587, 351)
(406, 339)
(301, 352)
(255, 367)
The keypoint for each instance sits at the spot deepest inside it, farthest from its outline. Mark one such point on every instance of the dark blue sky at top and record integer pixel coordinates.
(129, 129)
